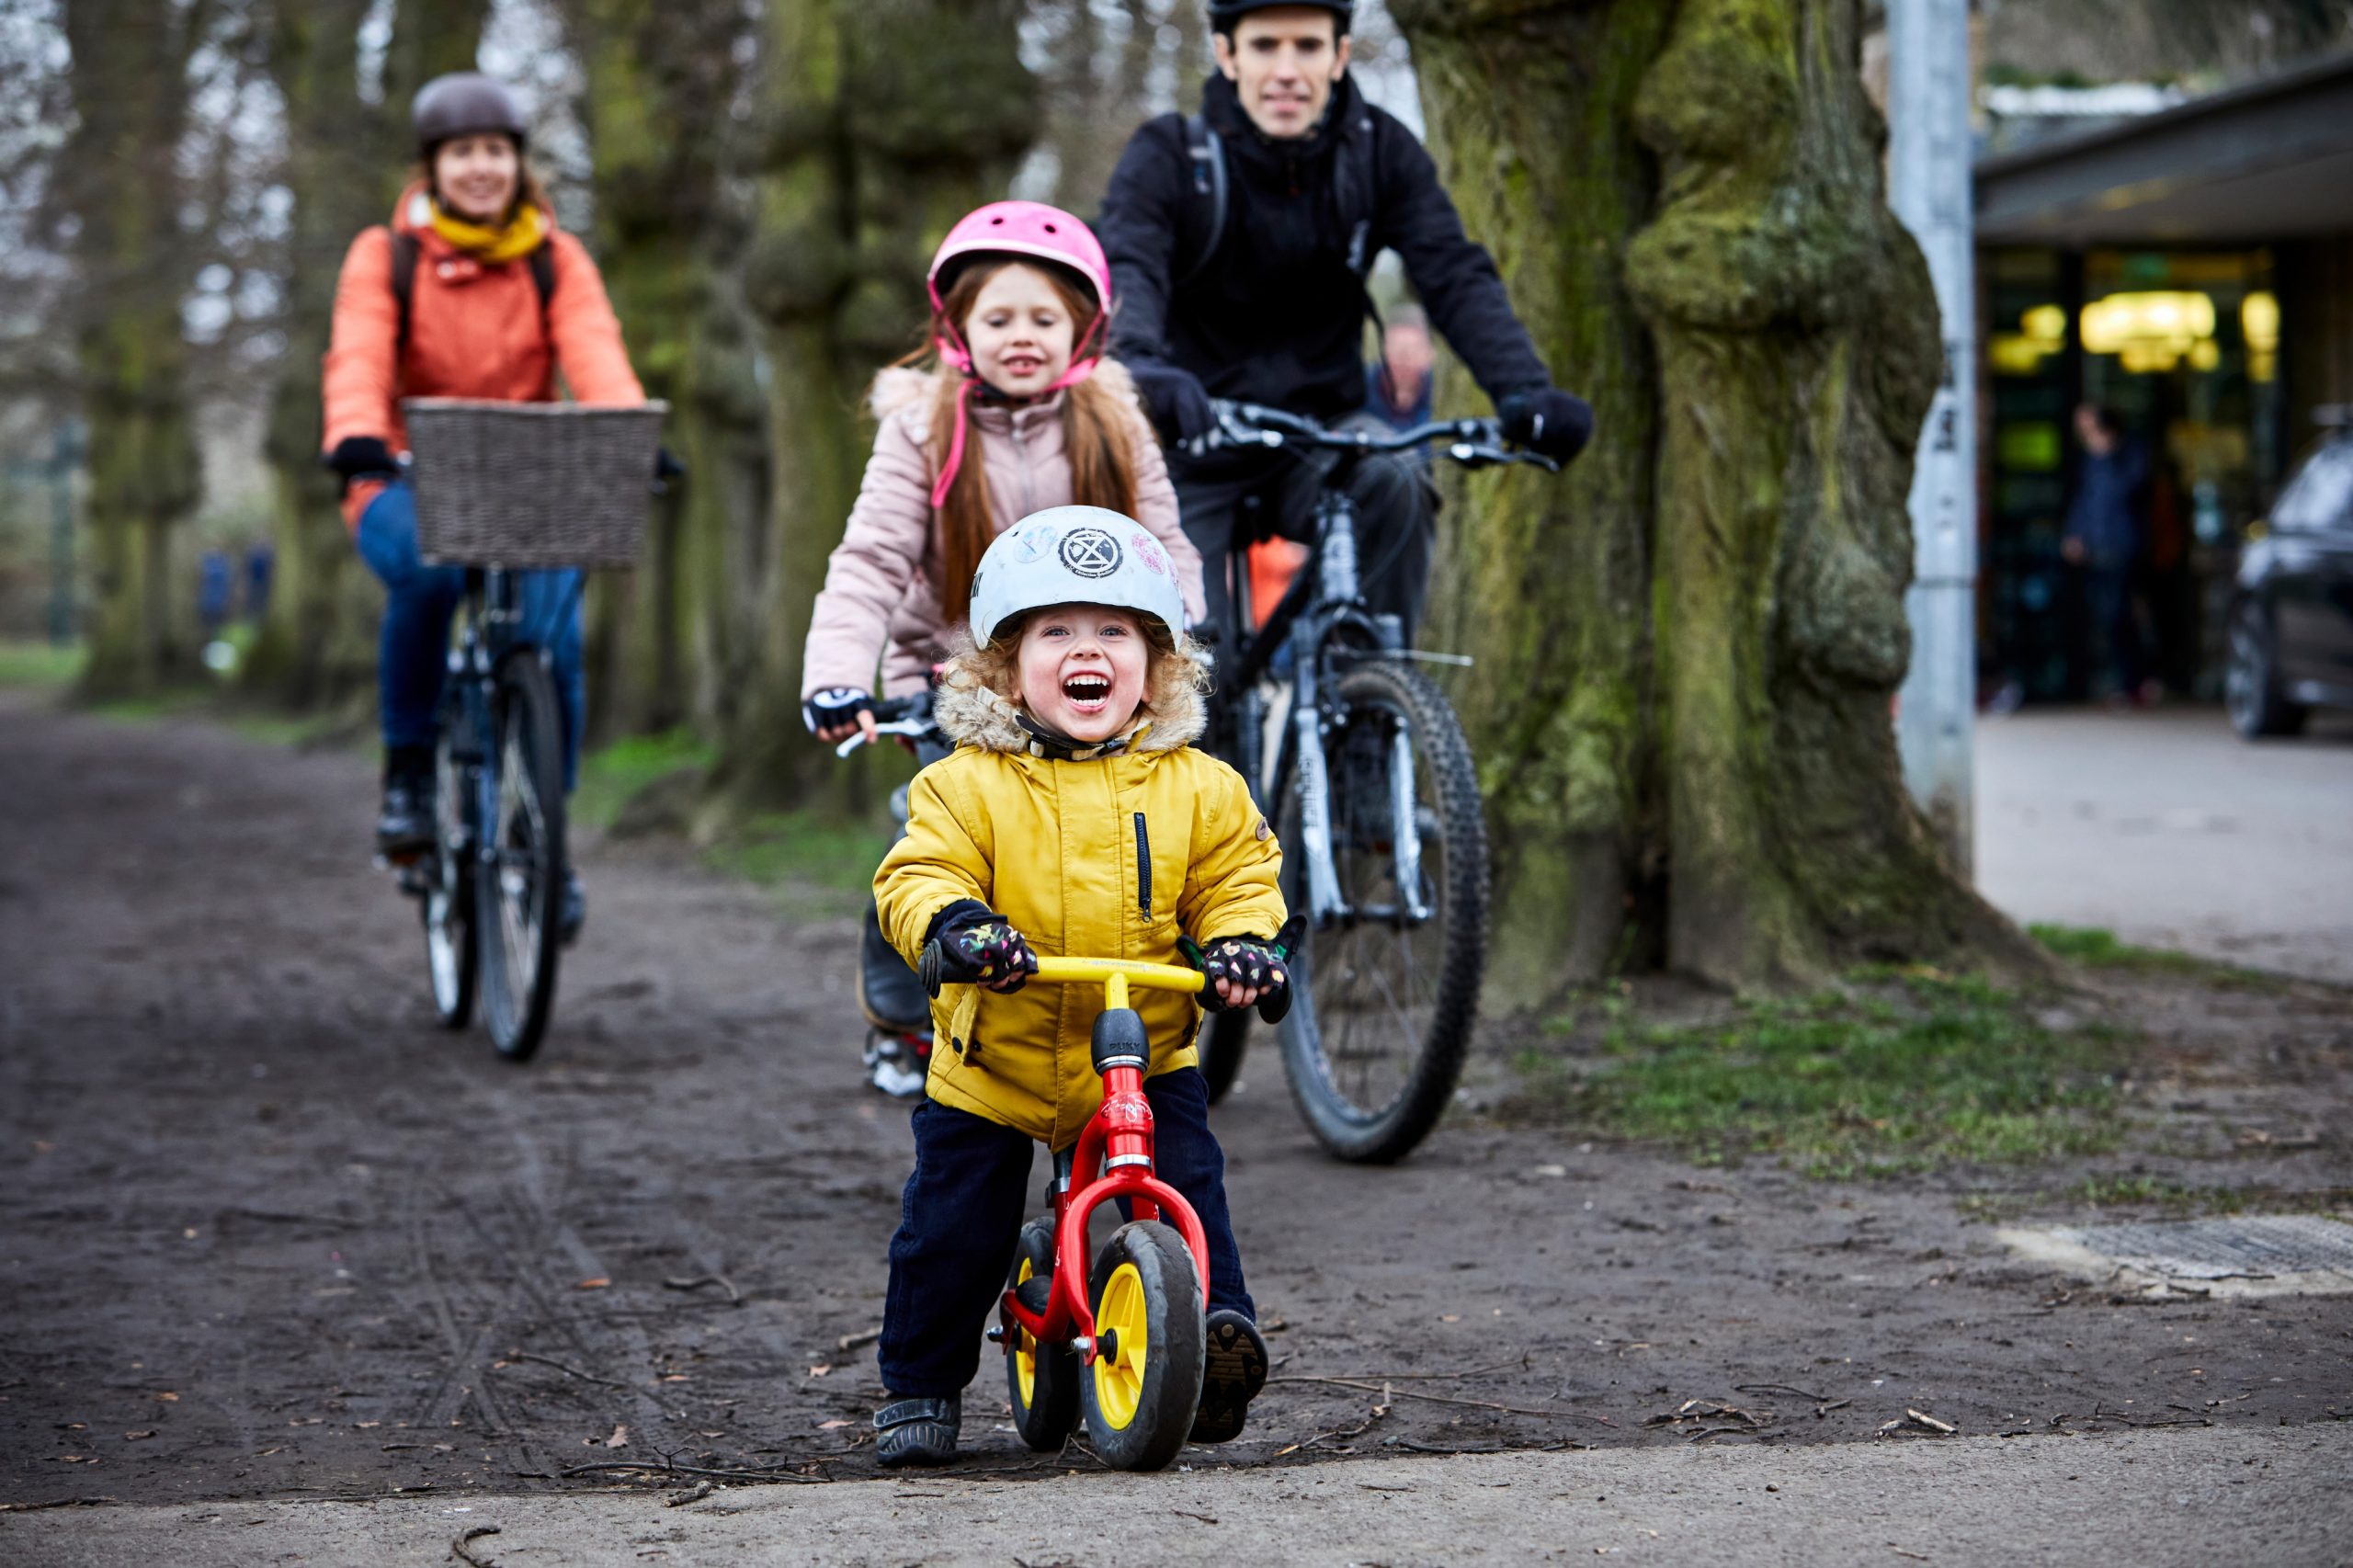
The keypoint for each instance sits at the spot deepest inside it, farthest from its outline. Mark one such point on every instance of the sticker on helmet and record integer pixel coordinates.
(1148, 551)
(1028, 546)
(1090, 552)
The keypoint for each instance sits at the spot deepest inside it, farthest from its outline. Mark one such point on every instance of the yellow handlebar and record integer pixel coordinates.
(1116, 974)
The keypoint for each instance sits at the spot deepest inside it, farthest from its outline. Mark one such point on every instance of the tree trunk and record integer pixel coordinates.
(888, 120)
(345, 162)
(1690, 644)
(120, 180)
(662, 642)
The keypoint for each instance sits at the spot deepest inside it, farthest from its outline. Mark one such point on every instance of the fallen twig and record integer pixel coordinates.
(1914, 1556)
(1558, 1445)
(1822, 1410)
(863, 1336)
(1443, 1399)
(702, 1489)
(561, 1366)
(55, 1503)
(1778, 1388)
(735, 1297)
(458, 1547)
(1912, 1419)
(1518, 1361)
(649, 1468)
(1359, 1430)
(1188, 1513)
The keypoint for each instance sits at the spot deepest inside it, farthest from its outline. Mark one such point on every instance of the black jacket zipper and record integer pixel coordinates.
(1143, 870)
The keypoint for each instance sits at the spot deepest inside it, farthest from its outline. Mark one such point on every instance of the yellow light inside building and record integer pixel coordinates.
(2047, 323)
(2259, 319)
(2150, 332)
(2205, 354)
(2042, 332)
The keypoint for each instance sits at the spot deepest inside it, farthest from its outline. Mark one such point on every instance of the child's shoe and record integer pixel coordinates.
(923, 1431)
(1232, 1374)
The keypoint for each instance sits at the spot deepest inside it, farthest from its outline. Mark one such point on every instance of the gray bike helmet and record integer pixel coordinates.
(465, 103)
(1074, 555)
(1223, 14)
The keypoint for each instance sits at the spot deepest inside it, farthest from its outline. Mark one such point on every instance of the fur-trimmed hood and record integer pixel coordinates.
(971, 712)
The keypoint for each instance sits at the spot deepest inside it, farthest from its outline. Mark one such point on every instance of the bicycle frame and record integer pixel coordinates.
(1116, 1144)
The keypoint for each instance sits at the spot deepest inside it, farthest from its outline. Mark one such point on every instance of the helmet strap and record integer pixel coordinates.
(948, 470)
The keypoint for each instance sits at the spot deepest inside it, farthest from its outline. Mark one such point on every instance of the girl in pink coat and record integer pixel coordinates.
(1009, 409)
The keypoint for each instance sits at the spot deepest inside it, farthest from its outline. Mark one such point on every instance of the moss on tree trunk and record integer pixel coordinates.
(1689, 645)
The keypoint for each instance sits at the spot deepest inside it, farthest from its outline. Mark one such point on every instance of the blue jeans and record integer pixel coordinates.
(962, 1216)
(420, 600)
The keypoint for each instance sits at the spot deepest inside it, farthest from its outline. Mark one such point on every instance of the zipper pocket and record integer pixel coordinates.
(1143, 870)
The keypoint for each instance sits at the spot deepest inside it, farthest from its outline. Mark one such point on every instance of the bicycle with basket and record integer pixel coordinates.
(1358, 758)
(502, 488)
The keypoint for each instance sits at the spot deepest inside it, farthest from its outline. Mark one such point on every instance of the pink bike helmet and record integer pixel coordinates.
(1029, 229)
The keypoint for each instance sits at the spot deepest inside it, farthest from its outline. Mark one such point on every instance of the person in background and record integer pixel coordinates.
(261, 561)
(212, 592)
(2103, 538)
(1397, 386)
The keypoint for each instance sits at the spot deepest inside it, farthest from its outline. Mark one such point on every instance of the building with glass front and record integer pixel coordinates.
(2191, 271)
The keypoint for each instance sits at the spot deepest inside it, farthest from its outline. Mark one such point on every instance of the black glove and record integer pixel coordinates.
(666, 465)
(1253, 963)
(362, 457)
(1547, 420)
(1175, 399)
(974, 944)
(833, 707)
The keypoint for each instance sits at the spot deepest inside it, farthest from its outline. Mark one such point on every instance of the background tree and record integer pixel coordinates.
(1690, 646)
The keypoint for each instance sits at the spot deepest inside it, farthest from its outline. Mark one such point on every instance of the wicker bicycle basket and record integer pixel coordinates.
(525, 485)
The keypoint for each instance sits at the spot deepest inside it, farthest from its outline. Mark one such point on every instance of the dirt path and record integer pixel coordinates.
(264, 1233)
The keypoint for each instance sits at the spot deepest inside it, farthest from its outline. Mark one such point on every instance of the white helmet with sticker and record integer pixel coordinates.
(1074, 555)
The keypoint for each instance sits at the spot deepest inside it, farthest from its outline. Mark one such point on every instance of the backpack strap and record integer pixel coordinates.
(405, 253)
(1205, 157)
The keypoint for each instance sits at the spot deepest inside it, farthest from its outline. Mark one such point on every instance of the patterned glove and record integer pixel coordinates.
(974, 944)
(833, 707)
(1250, 964)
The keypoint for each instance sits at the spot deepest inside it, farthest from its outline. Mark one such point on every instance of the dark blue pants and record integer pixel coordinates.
(2115, 629)
(420, 600)
(962, 1216)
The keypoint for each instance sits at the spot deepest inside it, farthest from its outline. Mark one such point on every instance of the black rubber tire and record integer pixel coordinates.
(1427, 1052)
(1047, 1418)
(1168, 1377)
(519, 957)
(1224, 1041)
(452, 959)
(2251, 691)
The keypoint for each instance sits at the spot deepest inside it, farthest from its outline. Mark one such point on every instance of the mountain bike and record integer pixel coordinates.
(1359, 760)
(501, 488)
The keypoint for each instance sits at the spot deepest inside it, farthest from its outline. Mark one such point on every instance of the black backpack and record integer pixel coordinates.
(1351, 171)
(405, 253)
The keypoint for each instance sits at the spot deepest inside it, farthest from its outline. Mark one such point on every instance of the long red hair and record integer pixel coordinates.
(1095, 436)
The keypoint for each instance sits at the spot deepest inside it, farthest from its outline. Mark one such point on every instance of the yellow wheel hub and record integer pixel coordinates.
(1025, 1351)
(1119, 1378)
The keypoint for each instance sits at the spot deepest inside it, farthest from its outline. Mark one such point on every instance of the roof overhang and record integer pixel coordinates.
(2271, 160)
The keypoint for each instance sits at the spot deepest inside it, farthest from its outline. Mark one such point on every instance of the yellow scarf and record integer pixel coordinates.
(522, 235)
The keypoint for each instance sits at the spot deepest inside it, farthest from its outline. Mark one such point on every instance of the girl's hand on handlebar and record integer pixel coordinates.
(838, 712)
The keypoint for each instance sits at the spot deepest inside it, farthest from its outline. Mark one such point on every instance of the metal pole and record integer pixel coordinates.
(1929, 186)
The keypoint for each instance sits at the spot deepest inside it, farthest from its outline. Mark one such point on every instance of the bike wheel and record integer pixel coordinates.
(520, 888)
(1224, 1042)
(1138, 1401)
(1041, 1379)
(1383, 1001)
(448, 906)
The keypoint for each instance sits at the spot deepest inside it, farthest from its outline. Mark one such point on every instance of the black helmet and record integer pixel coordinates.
(1223, 14)
(465, 103)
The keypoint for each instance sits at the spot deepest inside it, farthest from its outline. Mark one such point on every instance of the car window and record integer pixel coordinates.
(2321, 497)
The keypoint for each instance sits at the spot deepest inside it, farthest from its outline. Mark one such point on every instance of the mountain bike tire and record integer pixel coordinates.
(452, 957)
(1371, 1077)
(519, 891)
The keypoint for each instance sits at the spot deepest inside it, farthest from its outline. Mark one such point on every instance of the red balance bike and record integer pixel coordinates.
(1121, 1342)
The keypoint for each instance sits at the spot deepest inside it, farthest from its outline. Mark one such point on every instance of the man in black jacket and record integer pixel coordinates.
(1239, 244)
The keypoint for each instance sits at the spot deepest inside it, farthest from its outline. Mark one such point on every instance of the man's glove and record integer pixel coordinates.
(362, 457)
(1175, 399)
(666, 467)
(833, 707)
(974, 944)
(1249, 963)
(1547, 420)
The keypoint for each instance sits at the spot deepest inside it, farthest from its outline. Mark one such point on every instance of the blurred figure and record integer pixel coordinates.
(261, 563)
(2103, 538)
(1398, 385)
(212, 592)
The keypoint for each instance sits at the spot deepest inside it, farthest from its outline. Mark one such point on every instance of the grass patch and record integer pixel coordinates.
(611, 778)
(39, 664)
(141, 710)
(1898, 1076)
(823, 864)
(2094, 948)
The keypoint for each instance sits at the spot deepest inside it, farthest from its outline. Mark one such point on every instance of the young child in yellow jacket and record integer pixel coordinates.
(1073, 819)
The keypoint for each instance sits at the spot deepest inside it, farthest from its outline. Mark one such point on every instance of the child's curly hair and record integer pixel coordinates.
(1176, 673)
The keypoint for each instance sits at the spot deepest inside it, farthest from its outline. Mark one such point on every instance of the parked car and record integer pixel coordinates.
(2291, 612)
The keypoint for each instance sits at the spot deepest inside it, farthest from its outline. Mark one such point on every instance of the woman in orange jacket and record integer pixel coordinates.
(472, 291)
